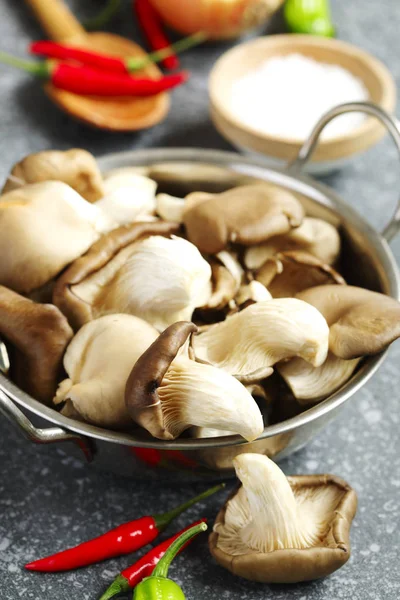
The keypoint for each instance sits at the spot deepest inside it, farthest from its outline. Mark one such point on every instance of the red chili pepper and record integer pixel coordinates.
(87, 81)
(106, 62)
(130, 577)
(150, 23)
(124, 539)
(150, 456)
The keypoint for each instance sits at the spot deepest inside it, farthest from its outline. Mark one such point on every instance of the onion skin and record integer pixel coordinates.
(218, 19)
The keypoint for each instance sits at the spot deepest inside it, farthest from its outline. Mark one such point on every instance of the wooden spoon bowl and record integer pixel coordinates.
(113, 113)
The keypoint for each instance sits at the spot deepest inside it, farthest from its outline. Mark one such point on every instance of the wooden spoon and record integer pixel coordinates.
(112, 113)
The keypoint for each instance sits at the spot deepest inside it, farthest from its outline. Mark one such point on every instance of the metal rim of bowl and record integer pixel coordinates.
(254, 167)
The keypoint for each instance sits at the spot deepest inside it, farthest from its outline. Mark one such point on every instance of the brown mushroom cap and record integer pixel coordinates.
(314, 236)
(76, 167)
(77, 311)
(246, 215)
(295, 565)
(38, 335)
(141, 395)
(361, 322)
(288, 273)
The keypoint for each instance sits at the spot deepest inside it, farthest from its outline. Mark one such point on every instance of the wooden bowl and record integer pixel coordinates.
(330, 152)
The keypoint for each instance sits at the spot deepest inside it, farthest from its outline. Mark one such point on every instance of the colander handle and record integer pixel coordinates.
(391, 124)
(41, 436)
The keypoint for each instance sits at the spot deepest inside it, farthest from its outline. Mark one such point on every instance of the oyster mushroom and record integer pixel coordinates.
(158, 279)
(315, 236)
(310, 384)
(283, 530)
(44, 227)
(76, 167)
(170, 208)
(37, 335)
(167, 392)
(98, 362)
(97, 267)
(247, 344)
(289, 273)
(226, 279)
(254, 291)
(361, 322)
(245, 215)
(128, 197)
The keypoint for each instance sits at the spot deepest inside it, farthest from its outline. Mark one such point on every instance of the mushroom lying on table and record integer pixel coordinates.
(44, 227)
(167, 392)
(275, 529)
(76, 167)
(98, 362)
(158, 279)
(361, 322)
(36, 335)
(245, 215)
(314, 236)
(247, 344)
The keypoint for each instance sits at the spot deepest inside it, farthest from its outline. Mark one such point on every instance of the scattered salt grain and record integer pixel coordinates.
(286, 95)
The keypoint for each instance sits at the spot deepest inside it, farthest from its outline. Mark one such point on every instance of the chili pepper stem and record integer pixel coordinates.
(39, 69)
(133, 64)
(161, 568)
(119, 585)
(164, 519)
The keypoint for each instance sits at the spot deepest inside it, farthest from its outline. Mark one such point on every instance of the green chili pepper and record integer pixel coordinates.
(309, 16)
(157, 586)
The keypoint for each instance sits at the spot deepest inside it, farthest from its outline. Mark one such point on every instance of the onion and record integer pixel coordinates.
(217, 18)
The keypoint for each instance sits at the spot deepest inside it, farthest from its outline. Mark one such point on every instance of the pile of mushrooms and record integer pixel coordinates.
(127, 308)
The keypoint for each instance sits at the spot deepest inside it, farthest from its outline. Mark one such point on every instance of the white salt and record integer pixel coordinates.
(286, 95)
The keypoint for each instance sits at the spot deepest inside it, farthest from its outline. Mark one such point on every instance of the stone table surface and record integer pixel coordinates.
(49, 501)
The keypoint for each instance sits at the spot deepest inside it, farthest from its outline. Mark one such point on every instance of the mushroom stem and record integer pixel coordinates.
(275, 522)
(201, 395)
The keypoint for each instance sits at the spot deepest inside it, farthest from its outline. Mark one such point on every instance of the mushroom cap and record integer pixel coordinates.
(167, 393)
(98, 362)
(314, 236)
(361, 322)
(76, 167)
(128, 197)
(263, 333)
(98, 256)
(288, 273)
(254, 291)
(224, 287)
(141, 395)
(294, 565)
(170, 208)
(245, 215)
(38, 335)
(227, 275)
(311, 384)
(158, 279)
(44, 227)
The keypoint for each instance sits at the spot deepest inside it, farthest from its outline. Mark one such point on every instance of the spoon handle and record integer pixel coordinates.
(56, 19)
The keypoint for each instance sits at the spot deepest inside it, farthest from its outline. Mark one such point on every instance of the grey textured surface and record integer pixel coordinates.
(48, 501)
